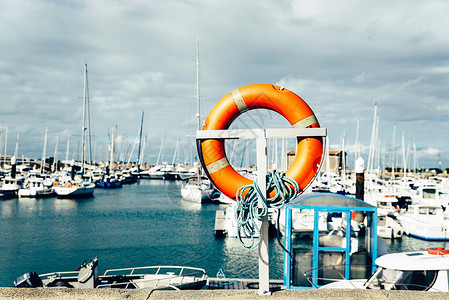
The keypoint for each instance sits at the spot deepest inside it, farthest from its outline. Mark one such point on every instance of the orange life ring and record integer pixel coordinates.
(75, 184)
(55, 183)
(438, 251)
(309, 150)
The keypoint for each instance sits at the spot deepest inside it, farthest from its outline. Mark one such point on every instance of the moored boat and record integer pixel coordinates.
(417, 271)
(199, 190)
(10, 187)
(75, 189)
(426, 222)
(34, 187)
(109, 182)
(149, 277)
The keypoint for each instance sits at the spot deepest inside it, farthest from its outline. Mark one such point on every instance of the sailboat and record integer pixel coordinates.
(110, 180)
(72, 186)
(198, 189)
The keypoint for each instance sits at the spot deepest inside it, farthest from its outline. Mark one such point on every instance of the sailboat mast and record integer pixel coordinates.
(404, 161)
(83, 128)
(67, 150)
(356, 148)
(393, 153)
(372, 142)
(6, 145)
(140, 144)
(16, 152)
(55, 156)
(44, 151)
(88, 134)
(198, 115)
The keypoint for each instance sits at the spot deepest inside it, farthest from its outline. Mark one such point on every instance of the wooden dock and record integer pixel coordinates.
(220, 223)
(240, 284)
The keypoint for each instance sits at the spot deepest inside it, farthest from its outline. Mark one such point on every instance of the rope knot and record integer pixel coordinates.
(248, 210)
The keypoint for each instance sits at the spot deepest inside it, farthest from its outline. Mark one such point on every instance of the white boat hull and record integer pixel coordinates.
(75, 191)
(194, 194)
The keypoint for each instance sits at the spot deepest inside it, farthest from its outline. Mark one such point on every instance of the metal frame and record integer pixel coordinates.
(316, 246)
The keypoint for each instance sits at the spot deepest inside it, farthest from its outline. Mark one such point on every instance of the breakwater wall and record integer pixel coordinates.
(117, 294)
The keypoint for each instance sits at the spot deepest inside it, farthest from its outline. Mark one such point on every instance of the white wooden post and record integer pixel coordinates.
(262, 170)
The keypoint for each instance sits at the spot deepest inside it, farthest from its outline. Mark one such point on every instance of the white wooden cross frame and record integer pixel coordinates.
(261, 136)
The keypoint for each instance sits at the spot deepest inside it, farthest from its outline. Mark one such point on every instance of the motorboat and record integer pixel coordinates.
(426, 222)
(150, 277)
(34, 187)
(388, 227)
(158, 172)
(126, 176)
(109, 182)
(303, 222)
(183, 172)
(417, 271)
(10, 187)
(429, 193)
(387, 211)
(199, 190)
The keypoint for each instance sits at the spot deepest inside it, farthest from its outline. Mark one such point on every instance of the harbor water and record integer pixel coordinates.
(142, 224)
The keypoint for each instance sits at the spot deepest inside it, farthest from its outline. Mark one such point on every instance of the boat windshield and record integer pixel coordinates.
(389, 279)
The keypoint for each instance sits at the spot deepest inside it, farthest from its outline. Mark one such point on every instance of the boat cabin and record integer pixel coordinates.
(346, 249)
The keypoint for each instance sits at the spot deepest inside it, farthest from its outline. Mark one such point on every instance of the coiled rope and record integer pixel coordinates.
(248, 210)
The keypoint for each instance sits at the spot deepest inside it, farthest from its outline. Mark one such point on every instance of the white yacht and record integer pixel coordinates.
(157, 172)
(10, 187)
(429, 193)
(199, 190)
(418, 271)
(387, 211)
(388, 227)
(426, 222)
(34, 187)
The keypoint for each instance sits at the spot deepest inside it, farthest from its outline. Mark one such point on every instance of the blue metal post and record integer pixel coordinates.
(316, 245)
(288, 247)
(348, 244)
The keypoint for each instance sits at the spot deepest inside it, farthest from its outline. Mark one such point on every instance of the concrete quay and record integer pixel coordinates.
(117, 294)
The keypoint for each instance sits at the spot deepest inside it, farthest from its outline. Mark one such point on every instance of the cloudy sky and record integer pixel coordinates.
(341, 57)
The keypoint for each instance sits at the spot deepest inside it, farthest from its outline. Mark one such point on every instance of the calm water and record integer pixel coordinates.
(142, 224)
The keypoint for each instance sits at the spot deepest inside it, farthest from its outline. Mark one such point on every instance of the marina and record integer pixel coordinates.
(146, 223)
(312, 156)
(309, 227)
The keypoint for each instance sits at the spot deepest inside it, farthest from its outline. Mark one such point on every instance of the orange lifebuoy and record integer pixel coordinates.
(55, 183)
(438, 251)
(75, 184)
(309, 150)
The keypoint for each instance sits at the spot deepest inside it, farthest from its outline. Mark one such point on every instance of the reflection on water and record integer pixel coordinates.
(8, 208)
(189, 205)
(63, 204)
(412, 244)
(27, 205)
